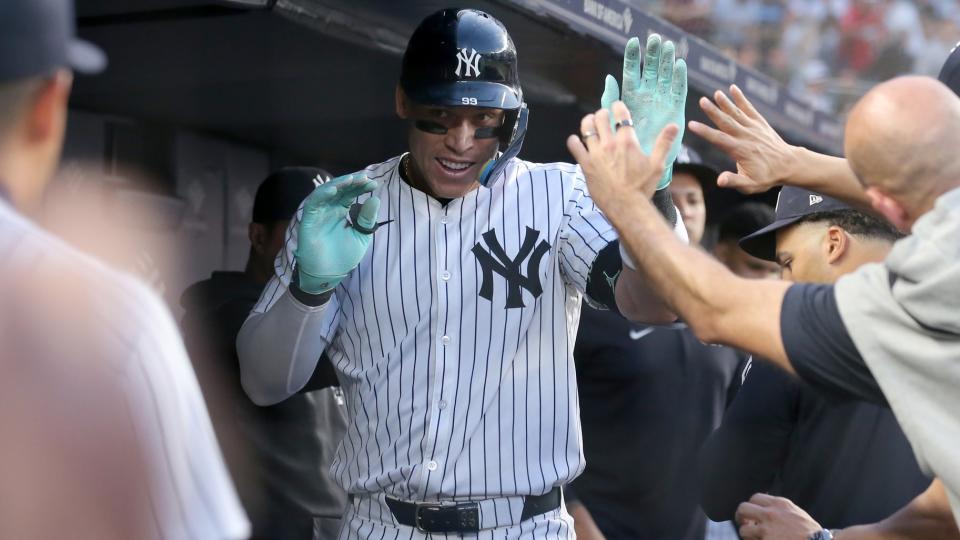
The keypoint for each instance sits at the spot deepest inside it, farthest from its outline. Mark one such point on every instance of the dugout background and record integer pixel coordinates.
(203, 98)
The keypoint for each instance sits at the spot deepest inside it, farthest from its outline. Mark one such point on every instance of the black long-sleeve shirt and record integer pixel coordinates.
(648, 398)
(844, 462)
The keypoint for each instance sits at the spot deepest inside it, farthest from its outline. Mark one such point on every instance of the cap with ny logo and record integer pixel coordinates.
(793, 204)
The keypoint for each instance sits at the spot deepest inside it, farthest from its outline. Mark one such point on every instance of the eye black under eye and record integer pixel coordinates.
(431, 127)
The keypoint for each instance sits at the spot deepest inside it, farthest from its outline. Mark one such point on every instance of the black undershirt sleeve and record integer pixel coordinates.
(606, 267)
(820, 348)
(324, 376)
(744, 455)
(663, 200)
(604, 273)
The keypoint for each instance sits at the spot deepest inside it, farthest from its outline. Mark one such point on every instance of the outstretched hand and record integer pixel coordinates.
(328, 247)
(616, 168)
(655, 98)
(746, 136)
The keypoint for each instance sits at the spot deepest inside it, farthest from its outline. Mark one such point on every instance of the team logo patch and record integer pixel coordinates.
(495, 259)
(468, 62)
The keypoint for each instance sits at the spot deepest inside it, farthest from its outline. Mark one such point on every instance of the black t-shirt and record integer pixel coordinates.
(819, 346)
(648, 399)
(845, 462)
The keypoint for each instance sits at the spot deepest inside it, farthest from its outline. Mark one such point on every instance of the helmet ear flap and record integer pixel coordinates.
(511, 141)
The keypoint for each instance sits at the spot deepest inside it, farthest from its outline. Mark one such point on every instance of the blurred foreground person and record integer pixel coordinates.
(650, 391)
(66, 319)
(278, 455)
(845, 461)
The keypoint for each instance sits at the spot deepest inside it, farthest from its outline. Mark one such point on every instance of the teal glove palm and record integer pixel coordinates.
(655, 99)
(328, 248)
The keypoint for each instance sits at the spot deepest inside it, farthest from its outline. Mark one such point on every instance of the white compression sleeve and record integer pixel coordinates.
(279, 349)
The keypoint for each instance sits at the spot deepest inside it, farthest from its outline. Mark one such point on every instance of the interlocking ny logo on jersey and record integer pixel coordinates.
(495, 259)
(469, 60)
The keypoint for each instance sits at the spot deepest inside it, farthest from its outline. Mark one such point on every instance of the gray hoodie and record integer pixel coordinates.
(904, 318)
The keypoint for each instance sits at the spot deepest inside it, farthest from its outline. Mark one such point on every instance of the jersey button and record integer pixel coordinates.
(442, 404)
(444, 220)
(445, 275)
(445, 340)
(431, 465)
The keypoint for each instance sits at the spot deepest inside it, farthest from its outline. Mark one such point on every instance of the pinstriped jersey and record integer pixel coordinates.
(453, 337)
(120, 331)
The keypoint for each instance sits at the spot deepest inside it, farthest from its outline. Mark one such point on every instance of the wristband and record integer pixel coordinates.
(627, 260)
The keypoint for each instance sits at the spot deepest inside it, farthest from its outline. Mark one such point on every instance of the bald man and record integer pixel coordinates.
(886, 332)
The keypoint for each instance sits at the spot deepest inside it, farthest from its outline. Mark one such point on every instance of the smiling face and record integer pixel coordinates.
(448, 165)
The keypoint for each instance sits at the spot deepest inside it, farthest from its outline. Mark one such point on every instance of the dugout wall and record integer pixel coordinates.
(202, 98)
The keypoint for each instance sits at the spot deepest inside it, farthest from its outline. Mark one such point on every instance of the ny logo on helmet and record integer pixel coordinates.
(469, 60)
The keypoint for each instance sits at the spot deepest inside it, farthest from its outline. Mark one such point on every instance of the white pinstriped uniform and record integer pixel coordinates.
(452, 395)
(128, 334)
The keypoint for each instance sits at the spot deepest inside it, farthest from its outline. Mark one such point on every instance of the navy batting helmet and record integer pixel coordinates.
(465, 57)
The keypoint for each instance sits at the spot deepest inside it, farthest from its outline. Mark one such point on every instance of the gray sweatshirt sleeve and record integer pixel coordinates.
(279, 348)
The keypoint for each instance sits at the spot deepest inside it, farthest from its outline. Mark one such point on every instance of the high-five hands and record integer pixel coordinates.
(328, 247)
(616, 167)
(655, 98)
(761, 154)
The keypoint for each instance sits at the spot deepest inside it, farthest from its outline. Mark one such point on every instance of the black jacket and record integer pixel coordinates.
(648, 399)
(844, 462)
(279, 456)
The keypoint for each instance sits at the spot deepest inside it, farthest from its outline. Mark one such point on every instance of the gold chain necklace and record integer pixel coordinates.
(406, 171)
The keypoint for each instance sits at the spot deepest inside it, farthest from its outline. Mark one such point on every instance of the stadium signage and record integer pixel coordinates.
(725, 70)
(801, 114)
(764, 91)
(827, 128)
(614, 21)
(618, 20)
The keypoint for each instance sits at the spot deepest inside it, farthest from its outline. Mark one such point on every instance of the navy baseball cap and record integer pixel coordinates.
(793, 204)
(950, 72)
(689, 161)
(38, 37)
(279, 196)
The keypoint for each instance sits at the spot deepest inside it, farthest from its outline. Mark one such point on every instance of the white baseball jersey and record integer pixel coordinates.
(116, 325)
(452, 339)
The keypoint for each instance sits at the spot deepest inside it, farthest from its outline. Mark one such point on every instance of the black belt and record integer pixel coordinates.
(463, 516)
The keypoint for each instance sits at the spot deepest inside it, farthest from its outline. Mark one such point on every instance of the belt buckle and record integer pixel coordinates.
(416, 515)
(467, 517)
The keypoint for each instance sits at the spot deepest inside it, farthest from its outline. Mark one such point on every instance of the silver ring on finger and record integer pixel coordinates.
(587, 134)
(624, 123)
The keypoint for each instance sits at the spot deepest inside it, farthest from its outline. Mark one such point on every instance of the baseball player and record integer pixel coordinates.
(444, 285)
(62, 309)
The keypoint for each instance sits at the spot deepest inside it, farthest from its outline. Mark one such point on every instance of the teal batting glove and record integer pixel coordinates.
(328, 247)
(655, 98)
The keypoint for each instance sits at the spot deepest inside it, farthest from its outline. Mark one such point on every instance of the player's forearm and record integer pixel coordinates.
(825, 174)
(926, 517)
(718, 306)
(279, 349)
(638, 302)
(664, 263)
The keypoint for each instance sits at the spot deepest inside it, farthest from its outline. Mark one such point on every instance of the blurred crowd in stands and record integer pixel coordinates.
(827, 51)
